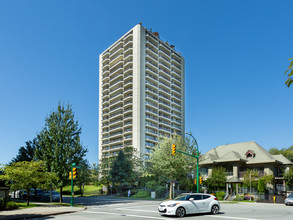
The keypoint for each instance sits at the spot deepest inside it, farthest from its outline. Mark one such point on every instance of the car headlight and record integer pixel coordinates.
(172, 205)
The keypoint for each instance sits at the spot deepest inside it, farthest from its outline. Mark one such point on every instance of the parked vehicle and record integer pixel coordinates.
(55, 196)
(289, 200)
(190, 203)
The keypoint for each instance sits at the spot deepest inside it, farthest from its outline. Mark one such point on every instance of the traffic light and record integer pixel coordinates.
(173, 149)
(70, 175)
(195, 181)
(74, 172)
(200, 180)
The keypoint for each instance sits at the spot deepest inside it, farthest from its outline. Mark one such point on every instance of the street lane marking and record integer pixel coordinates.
(126, 215)
(134, 210)
(219, 216)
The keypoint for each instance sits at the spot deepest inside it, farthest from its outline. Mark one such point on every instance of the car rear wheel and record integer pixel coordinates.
(180, 212)
(215, 209)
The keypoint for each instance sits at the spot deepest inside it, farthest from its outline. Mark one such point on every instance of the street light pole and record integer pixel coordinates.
(197, 159)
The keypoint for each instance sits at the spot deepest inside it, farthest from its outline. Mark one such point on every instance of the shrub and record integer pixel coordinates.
(11, 205)
(160, 191)
(141, 194)
(238, 198)
(2, 203)
(220, 195)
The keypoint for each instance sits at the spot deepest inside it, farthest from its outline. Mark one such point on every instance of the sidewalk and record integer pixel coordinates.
(37, 212)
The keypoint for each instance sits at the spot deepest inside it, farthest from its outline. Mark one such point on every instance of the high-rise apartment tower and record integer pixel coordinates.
(141, 93)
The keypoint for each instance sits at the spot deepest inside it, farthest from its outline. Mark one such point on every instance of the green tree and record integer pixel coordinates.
(59, 144)
(288, 176)
(217, 180)
(172, 167)
(251, 177)
(26, 175)
(94, 173)
(261, 186)
(83, 175)
(289, 74)
(122, 173)
(26, 153)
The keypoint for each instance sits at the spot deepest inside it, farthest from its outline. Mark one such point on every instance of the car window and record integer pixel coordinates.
(196, 197)
(181, 197)
(206, 196)
(291, 195)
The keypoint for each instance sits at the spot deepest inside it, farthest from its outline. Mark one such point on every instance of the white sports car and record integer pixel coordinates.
(190, 203)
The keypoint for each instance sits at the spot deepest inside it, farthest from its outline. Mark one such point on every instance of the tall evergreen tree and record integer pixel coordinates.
(59, 144)
(122, 172)
(26, 153)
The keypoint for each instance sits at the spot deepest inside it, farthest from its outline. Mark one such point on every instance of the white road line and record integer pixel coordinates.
(145, 205)
(229, 217)
(134, 210)
(126, 215)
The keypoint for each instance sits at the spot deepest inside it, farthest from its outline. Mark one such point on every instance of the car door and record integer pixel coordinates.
(205, 203)
(193, 204)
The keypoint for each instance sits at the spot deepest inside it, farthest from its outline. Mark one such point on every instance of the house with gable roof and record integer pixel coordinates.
(239, 157)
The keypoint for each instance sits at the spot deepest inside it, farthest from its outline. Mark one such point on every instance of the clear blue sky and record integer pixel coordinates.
(236, 53)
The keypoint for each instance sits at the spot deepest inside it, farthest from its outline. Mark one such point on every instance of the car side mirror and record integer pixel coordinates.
(191, 199)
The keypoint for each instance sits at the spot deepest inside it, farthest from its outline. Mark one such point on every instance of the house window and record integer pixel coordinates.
(250, 154)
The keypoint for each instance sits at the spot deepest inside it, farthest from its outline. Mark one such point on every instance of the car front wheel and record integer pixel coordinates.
(215, 209)
(180, 212)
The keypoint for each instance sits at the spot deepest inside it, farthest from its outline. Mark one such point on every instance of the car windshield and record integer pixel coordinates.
(291, 195)
(181, 197)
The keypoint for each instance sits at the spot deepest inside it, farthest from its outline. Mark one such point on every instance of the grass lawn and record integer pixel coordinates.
(22, 205)
(89, 190)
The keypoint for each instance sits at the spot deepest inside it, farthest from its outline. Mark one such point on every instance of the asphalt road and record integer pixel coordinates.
(108, 209)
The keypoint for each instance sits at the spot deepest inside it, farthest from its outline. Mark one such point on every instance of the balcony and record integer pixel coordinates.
(151, 111)
(152, 64)
(151, 124)
(117, 107)
(153, 85)
(115, 128)
(128, 38)
(152, 70)
(164, 50)
(175, 85)
(152, 42)
(116, 71)
(165, 71)
(128, 54)
(153, 118)
(127, 110)
(242, 174)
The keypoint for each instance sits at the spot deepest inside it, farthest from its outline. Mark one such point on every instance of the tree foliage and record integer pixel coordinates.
(124, 170)
(289, 73)
(172, 167)
(288, 176)
(26, 153)
(59, 144)
(251, 176)
(83, 175)
(286, 152)
(217, 180)
(27, 175)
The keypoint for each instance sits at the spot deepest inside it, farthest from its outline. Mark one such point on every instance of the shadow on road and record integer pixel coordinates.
(97, 200)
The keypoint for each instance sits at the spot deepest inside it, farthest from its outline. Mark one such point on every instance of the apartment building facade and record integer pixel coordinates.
(141, 93)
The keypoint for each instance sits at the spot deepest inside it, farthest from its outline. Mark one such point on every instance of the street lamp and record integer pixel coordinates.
(197, 159)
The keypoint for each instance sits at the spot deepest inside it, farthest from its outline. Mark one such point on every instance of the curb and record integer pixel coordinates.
(31, 216)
